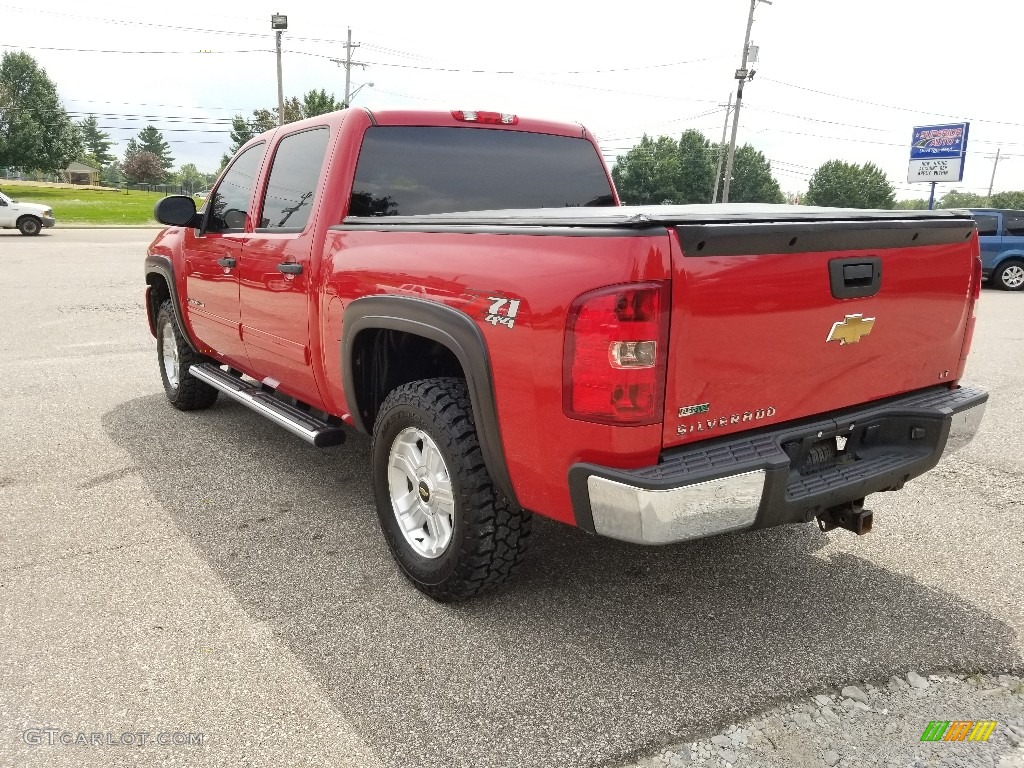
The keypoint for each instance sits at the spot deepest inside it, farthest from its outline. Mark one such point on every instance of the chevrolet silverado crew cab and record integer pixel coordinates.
(465, 288)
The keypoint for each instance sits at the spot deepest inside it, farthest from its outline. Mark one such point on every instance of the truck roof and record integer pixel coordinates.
(432, 118)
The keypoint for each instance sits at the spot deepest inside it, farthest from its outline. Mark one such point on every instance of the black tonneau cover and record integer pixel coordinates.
(647, 215)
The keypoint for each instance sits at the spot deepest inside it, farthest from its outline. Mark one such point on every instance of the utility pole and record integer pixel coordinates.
(348, 67)
(995, 165)
(347, 63)
(279, 23)
(721, 149)
(742, 75)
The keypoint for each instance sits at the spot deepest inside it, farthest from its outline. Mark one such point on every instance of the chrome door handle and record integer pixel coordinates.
(226, 261)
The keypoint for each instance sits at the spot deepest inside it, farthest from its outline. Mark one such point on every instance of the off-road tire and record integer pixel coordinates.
(29, 225)
(190, 394)
(1000, 278)
(489, 533)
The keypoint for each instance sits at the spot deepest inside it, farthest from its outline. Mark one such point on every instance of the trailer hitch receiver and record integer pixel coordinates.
(852, 516)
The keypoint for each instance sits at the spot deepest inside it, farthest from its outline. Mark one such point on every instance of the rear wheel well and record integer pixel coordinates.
(385, 359)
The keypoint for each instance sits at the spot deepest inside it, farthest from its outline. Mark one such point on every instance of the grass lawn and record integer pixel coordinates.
(87, 206)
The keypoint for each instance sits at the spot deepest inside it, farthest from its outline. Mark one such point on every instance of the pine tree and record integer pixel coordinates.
(96, 142)
(151, 140)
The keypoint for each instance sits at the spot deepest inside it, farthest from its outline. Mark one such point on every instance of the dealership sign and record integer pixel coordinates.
(937, 152)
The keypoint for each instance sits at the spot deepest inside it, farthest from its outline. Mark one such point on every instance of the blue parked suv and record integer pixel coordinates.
(1001, 234)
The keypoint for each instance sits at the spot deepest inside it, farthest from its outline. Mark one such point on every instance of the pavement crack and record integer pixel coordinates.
(82, 554)
(106, 477)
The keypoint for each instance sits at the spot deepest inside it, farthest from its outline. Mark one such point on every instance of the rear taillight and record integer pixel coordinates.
(974, 293)
(491, 118)
(972, 305)
(615, 352)
(975, 286)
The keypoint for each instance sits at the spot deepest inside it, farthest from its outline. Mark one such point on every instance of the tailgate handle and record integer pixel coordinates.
(858, 274)
(855, 277)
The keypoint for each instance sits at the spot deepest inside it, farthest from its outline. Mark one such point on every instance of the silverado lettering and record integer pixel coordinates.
(330, 280)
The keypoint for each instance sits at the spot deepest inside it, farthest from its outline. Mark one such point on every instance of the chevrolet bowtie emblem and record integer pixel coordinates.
(851, 330)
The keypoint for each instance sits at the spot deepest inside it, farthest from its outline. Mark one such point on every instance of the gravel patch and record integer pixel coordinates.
(870, 726)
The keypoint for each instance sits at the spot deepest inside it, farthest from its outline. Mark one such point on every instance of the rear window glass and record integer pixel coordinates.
(405, 171)
(987, 225)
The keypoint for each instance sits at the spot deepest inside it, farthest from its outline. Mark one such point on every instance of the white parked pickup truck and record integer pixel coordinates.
(29, 218)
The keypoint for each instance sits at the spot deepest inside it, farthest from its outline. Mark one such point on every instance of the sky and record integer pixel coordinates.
(833, 80)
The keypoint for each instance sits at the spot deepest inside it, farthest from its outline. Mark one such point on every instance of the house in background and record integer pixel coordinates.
(79, 173)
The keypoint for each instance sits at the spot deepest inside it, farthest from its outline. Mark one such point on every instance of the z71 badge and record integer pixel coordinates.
(496, 310)
(502, 311)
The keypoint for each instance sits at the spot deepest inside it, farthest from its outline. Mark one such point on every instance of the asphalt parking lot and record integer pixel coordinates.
(211, 577)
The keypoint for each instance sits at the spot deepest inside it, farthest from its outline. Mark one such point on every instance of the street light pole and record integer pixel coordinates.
(742, 76)
(358, 89)
(279, 23)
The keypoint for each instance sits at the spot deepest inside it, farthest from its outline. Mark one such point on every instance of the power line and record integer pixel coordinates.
(888, 106)
(131, 53)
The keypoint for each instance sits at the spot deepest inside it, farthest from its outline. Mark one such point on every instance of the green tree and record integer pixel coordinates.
(695, 169)
(647, 173)
(319, 103)
(266, 119)
(35, 131)
(313, 103)
(664, 170)
(142, 167)
(191, 179)
(112, 174)
(241, 132)
(152, 141)
(919, 204)
(957, 199)
(1007, 200)
(752, 180)
(849, 185)
(90, 160)
(95, 142)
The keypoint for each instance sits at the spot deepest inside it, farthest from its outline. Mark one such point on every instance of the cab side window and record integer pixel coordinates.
(298, 161)
(229, 204)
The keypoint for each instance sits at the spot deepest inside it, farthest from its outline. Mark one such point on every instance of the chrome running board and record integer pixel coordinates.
(311, 429)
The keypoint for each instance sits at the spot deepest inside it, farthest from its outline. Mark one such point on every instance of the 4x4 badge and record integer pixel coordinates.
(851, 330)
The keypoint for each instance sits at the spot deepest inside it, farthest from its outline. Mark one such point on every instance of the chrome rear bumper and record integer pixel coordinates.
(756, 482)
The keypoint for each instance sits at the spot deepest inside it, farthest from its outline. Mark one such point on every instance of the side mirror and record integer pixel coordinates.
(177, 211)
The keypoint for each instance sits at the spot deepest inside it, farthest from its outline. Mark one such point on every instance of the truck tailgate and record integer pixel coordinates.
(778, 321)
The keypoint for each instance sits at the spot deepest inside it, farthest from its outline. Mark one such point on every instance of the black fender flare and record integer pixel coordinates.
(161, 265)
(450, 328)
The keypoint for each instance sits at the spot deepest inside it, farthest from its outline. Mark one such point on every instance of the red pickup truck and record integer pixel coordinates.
(466, 288)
